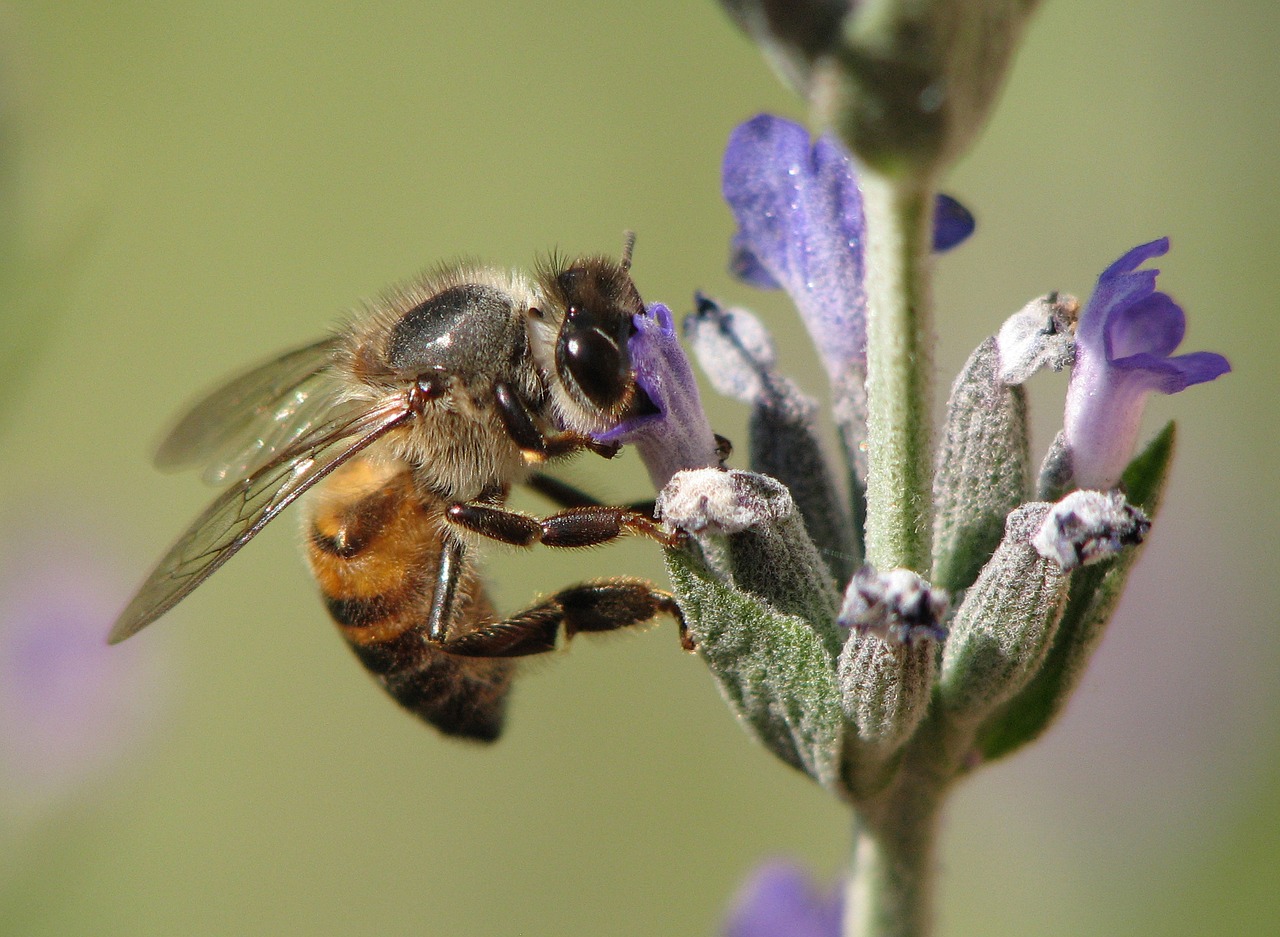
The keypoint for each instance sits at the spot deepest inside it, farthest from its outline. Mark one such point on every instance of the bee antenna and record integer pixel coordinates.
(628, 246)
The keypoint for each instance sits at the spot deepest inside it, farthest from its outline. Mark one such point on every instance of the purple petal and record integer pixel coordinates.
(1152, 325)
(800, 223)
(1171, 375)
(746, 266)
(1119, 285)
(1123, 347)
(800, 228)
(952, 224)
(1136, 258)
(69, 704)
(780, 900)
(678, 435)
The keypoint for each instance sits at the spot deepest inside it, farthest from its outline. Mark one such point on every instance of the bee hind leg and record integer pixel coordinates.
(602, 605)
(570, 496)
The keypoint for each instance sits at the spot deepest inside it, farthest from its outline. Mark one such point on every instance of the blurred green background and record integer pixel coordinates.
(201, 184)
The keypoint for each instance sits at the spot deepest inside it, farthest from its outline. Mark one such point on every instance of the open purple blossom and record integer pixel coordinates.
(1124, 351)
(678, 435)
(781, 900)
(69, 704)
(801, 228)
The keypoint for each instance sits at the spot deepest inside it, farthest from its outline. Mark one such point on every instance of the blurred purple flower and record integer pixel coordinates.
(1124, 345)
(678, 435)
(781, 900)
(952, 224)
(801, 228)
(69, 705)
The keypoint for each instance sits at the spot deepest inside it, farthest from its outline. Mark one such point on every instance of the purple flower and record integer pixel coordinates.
(800, 228)
(69, 704)
(952, 224)
(1124, 345)
(780, 900)
(677, 436)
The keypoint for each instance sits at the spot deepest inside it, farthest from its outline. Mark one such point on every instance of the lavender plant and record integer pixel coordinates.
(890, 625)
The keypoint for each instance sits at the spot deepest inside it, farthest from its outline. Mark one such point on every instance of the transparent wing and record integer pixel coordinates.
(244, 509)
(242, 425)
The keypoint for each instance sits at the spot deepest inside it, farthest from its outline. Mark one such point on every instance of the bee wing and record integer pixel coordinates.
(242, 425)
(237, 515)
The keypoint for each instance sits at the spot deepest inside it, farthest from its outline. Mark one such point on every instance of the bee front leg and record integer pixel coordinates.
(602, 605)
(525, 432)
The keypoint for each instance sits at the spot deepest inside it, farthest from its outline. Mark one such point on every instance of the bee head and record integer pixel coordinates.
(598, 302)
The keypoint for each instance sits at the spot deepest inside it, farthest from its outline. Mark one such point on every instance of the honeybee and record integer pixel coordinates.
(412, 423)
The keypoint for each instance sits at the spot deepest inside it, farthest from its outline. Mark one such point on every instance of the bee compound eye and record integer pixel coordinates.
(594, 363)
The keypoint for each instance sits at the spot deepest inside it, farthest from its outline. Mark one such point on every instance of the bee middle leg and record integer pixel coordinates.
(601, 605)
(586, 526)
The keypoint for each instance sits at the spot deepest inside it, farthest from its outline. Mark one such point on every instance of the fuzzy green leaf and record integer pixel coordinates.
(784, 444)
(1094, 593)
(774, 670)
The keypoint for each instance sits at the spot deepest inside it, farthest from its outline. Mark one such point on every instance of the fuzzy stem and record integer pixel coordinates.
(890, 888)
(899, 217)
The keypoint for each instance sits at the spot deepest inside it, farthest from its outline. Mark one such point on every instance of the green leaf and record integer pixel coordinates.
(774, 670)
(1094, 593)
(886, 688)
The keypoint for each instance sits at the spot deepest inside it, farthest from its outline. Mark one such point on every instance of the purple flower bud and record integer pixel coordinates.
(952, 224)
(781, 900)
(69, 704)
(800, 228)
(677, 436)
(1124, 351)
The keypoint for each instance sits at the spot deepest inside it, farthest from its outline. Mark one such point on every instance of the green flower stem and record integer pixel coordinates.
(899, 216)
(890, 888)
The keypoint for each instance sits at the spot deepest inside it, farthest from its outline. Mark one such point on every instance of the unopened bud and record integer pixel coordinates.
(1040, 335)
(1088, 526)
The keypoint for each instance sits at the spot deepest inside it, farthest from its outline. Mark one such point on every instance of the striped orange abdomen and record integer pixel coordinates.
(374, 544)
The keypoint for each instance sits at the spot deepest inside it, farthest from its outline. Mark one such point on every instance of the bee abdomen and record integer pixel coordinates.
(363, 613)
(374, 547)
(459, 696)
